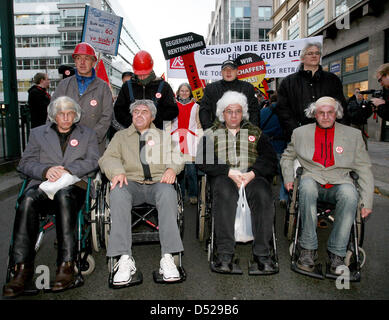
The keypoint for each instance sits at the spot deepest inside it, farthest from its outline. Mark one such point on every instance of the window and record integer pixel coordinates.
(349, 64)
(363, 60)
(263, 35)
(264, 13)
(293, 26)
(336, 67)
(342, 6)
(315, 17)
(278, 35)
(349, 89)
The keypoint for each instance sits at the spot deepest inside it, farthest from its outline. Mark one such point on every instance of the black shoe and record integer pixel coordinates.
(24, 273)
(336, 262)
(306, 260)
(224, 262)
(265, 264)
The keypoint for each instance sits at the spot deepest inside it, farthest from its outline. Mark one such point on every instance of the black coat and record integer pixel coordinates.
(38, 100)
(167, 109)
(300, 89)
(214, 91)
(359, 112)
(383, 109)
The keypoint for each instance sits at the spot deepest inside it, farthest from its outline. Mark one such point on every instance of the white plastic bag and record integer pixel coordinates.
(243, 229)
(51, 188)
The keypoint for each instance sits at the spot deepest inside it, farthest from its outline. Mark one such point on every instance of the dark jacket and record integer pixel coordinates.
(264, 164)
(167, 109)
(300, 89)
(270, 125)
(383, 109)
(38, 100)
(358, 111)
(214, 91)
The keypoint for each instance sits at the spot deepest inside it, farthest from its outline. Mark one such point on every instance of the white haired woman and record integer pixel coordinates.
(58, 147)
(235, 152)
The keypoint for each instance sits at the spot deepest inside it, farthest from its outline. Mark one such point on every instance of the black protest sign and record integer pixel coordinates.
(181, 44)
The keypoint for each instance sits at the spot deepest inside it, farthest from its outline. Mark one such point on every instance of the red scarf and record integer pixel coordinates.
(324, 148)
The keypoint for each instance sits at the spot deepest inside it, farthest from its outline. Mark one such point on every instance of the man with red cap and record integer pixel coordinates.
(90, 92)
(145, 85)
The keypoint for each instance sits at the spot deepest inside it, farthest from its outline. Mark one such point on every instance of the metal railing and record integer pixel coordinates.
(24, 130)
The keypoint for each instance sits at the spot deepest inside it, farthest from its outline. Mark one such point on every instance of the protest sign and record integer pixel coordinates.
(102, 30)
(280, 57)
(181, 44)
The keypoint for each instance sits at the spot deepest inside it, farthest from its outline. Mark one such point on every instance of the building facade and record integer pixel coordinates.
(240, 20)
(46, 33)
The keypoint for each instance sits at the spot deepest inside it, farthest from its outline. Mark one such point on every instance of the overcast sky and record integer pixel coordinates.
(158, 19)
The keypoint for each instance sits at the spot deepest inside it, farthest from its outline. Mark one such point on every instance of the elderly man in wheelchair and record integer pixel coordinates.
(57, 160)
(327, 152)
(233, 153)
(142, 168)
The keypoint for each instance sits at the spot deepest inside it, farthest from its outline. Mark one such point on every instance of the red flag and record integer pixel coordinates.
(193, 77)
(163, 76)
(101, 72)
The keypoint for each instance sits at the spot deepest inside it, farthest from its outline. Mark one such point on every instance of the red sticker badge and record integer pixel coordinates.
(150, 143)
(158, 95)
(251, 138)
(93, 103)
(67, 72)
(339, 149)
(74, 142)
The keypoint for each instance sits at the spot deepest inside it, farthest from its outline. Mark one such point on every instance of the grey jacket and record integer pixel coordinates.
(43, 151)
(349, 154)
(96, 104)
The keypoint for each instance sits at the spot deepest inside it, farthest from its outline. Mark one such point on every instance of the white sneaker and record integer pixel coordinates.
(168, 268)
(125, 270)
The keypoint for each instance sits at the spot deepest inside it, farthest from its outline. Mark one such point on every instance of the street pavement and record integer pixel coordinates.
(202, 284)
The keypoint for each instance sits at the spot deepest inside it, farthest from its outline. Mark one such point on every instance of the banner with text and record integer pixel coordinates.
(281, 58)
(102, 30)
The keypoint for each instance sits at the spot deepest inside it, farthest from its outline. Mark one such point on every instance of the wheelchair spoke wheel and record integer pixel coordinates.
(107, 216)
(201, 209)
(88, 266)
(94, 228)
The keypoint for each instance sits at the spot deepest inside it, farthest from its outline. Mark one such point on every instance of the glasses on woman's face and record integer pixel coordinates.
(231, 112)
(316, 53)
(380, 79)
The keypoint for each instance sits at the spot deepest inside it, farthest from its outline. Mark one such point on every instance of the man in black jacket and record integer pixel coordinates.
(214, 91)
(382, 104)
(39, 99)
(305, 86)
(145, 85)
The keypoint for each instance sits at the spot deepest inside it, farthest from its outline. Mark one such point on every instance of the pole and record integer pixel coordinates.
(9, 79)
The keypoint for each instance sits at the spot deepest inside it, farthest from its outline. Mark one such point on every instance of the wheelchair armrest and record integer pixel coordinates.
(299, 171)
(354, 175)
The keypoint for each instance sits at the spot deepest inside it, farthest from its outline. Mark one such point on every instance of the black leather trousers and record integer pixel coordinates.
(225, 195)
(33, 203)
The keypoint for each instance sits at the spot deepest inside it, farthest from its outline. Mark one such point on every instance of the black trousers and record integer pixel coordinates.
(225, 196)
(33, 203)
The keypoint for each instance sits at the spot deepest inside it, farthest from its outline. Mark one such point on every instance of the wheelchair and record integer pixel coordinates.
(145, 229)
(355, 256)
(85, 263)
(205, 230)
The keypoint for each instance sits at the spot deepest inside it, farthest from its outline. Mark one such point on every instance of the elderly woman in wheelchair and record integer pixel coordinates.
(142, 168)
(57, 160)
(327, 152)
(233, 152)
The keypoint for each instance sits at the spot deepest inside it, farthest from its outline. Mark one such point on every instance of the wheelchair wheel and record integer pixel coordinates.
(350, 258)
(88, 266)
(107, 215)
(180, 216)
(201, 209)
(94, 218)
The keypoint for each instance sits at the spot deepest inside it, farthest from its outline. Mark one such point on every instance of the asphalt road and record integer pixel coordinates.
(202, 284)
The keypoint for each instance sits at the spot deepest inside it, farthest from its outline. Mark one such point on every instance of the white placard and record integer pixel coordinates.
(102, 30)
(281, 57)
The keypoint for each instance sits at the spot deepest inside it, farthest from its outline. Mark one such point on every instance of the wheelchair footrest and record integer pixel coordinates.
(255, 271)
(235, 268)
(158, 278)
(316, 273)
(353, 275)
(136, 279)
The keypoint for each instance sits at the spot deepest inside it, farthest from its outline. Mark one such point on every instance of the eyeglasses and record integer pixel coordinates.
(380, 79)
(317, 53)
(231, 112)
